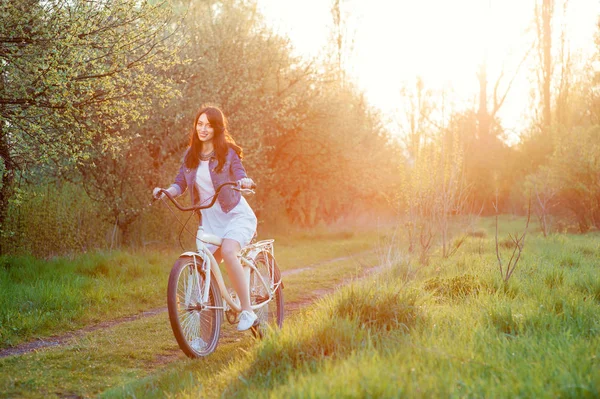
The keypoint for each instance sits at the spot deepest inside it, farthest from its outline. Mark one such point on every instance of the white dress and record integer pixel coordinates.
(239, 224)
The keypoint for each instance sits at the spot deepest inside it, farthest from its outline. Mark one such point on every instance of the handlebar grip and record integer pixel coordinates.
(239, 185)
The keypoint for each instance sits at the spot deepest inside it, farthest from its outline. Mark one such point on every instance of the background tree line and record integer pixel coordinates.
(461, 165)
(97, 100)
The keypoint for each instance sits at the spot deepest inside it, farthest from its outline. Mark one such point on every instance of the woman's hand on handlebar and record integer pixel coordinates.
(246, 183)
(159, 193)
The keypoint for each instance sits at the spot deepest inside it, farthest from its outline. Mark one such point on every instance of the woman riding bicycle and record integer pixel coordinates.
(214, 158)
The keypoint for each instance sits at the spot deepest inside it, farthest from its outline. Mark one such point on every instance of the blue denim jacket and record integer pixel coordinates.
(232, 170)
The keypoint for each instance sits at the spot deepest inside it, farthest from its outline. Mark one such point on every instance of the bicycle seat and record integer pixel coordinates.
(211, 239)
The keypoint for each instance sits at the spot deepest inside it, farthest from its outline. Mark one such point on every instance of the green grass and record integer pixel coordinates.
(39, 298)
(302, 286)
(453, 329)
(88, 363)
(141, 350)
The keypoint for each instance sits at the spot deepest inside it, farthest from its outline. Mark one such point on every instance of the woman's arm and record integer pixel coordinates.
(180, 184)
(237, 169)
(175, 189)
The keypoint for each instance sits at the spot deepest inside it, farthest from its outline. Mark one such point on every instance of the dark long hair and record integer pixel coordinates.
(222, 141)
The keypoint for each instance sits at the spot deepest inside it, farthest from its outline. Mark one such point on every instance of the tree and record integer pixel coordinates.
(575, 166)
(485, 152)
(338, 160)
(544, 14)
(342, 38)
(544, 191)
(75, 76)
(311, 142)
(415, 118)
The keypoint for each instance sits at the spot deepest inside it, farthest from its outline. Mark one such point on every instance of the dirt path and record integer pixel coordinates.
(316, 294)
(290, 308)
(318, 264)
(57, 340)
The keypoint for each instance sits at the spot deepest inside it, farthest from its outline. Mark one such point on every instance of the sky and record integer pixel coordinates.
(441, 41)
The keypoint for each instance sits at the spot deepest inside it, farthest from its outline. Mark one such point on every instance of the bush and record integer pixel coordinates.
(379, 306)
(457, 287)
(54, 220)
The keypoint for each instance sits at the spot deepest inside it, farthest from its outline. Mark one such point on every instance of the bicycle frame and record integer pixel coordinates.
(209, 263)
(246, 254)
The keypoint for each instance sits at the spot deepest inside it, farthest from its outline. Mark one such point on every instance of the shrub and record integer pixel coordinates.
(455, 287)
(380, 306)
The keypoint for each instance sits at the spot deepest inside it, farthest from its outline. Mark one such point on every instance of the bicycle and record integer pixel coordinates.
(197, 297)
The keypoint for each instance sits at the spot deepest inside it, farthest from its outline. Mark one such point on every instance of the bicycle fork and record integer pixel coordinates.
(194, 280)
(207, 277)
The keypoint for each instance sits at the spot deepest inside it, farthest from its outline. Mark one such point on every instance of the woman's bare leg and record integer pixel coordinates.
(229, 250)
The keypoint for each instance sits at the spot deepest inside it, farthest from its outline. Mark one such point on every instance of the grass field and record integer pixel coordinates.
(453, 330)
(450, 329)
(64, 294)
(39, 297)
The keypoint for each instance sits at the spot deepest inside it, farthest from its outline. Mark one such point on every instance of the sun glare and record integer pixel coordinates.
(442, 42)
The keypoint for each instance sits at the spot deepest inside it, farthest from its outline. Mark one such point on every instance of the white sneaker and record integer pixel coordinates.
(247, 319)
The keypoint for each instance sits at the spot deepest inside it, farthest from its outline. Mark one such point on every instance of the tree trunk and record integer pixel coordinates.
(8, 171)
(337, 23)
(8, 177)
(483, 115)
(547, 11)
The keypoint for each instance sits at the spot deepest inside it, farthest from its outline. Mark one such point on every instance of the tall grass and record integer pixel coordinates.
(57, 220)
(451, 329)
(40, 297)
(454, 329)
(336, 328)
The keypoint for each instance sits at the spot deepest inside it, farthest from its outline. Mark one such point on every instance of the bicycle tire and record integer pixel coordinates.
(196, 329)
(270, 315)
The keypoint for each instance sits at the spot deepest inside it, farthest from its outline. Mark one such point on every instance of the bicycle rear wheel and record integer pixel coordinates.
(196, 325)
(270, 314)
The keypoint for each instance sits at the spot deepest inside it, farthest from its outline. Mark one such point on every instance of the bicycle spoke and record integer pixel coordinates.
(185, 326)
(195, 326)
(186, 320)
(206, 322)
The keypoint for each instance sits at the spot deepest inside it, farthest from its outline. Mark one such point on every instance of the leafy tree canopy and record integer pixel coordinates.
(76, 75)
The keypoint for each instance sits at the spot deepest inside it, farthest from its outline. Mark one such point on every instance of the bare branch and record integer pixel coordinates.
(498, 103)
(521, 242)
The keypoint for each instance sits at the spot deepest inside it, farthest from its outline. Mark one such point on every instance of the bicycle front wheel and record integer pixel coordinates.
(196, 325)
(270, 314)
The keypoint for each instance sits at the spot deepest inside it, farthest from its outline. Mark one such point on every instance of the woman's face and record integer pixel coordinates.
(204, 130)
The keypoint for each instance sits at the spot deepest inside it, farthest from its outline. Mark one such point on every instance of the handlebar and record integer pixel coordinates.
(199, 207)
